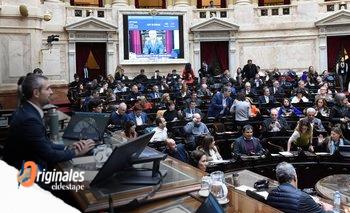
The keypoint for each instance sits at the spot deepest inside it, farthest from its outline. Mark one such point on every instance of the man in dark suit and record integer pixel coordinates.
(191, 110)
(274, 123)
(266, 98)
(119, 117)
(248, 90)
(247, 144)
(249, 71)
(288, 198)
(276, 90)
(220, 103)
(28, 139)
(138, 116)
(141, 78)
(155, 94)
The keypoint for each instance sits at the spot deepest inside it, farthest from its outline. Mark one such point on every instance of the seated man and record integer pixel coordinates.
(153, 44)
(27, 140)
(274, 123)
(288, 198)
(95, 105)
(276, 90)
(141, 78)
(134, 93)
(194, 98)
(160, 132)
(315, 122)
(155, 94)
(247, 144)
(138, 117)
(177, 151)
(191, 110)
(266, 98)
(119, 117)
(194, 129)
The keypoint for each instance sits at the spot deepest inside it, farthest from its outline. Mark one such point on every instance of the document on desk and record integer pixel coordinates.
(83, 160)
(219, 161)
(286, 154)
(322, 153)
(244, 188)
(263, 193)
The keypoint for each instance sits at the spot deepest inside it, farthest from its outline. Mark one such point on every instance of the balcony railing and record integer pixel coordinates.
(276, 10)
(332, 6)
(78, 12)
(212, 12)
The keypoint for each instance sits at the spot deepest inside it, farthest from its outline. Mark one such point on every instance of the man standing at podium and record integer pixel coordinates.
(28, 139)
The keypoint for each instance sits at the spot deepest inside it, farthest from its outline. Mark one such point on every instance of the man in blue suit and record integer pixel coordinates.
(153, 45)
(137, 116)
(220, 103)
(28, 139)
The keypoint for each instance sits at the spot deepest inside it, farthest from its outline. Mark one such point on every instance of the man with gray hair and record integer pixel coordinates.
(288, 198)
(118, 117)
(315, 122)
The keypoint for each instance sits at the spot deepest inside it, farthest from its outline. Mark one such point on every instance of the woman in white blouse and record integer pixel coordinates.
(211, 151)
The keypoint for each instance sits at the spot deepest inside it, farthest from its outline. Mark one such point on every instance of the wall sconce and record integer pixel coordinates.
(23, 10)
(47, 16)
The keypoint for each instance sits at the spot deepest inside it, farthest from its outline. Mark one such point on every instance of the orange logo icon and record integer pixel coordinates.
(27, 174)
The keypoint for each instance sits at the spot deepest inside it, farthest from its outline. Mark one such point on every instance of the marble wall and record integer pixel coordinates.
(15, 56)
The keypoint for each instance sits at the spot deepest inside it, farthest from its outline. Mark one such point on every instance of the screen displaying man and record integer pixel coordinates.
(153, 44)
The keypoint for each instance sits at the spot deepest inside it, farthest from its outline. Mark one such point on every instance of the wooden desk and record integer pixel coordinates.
(89, 200)
(339, 182)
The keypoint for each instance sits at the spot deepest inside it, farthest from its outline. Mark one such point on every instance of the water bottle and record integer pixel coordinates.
(336, 200)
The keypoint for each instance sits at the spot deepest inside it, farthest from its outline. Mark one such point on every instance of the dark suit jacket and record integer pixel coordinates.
(152, 95)
(279, 91)
(287, 198)
(132, 117)
(216, 105)
(239, 146)
(28, 140)
(249, 71)
(263, 101)
(281, 121)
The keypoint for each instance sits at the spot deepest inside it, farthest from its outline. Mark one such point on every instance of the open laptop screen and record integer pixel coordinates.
(85, 125)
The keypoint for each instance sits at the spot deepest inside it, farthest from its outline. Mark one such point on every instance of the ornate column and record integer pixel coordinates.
(120, 3)
(323, 50)
(111, 50)
(197, 53)
(71, 58)
(232, 55)
(182, 3)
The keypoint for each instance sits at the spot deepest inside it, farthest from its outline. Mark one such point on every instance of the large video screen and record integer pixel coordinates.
(153, 38)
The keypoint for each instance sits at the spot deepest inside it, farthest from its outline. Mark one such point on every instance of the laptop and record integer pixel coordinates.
(86, 125)
(122, 157)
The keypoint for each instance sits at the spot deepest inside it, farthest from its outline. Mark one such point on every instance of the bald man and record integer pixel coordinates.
(118, 117)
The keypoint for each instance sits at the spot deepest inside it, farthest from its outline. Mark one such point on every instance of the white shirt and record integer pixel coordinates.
(139, 121)
(41, 112)
(160, 134)
(267, 100)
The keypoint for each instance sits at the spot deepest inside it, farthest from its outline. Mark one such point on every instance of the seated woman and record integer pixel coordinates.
(321, 108)
(302, 136)
(332, 142)
(171, 114)
(128, 133)
(288, 110)
(208, 146)
(199, 160)
(299, 97)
